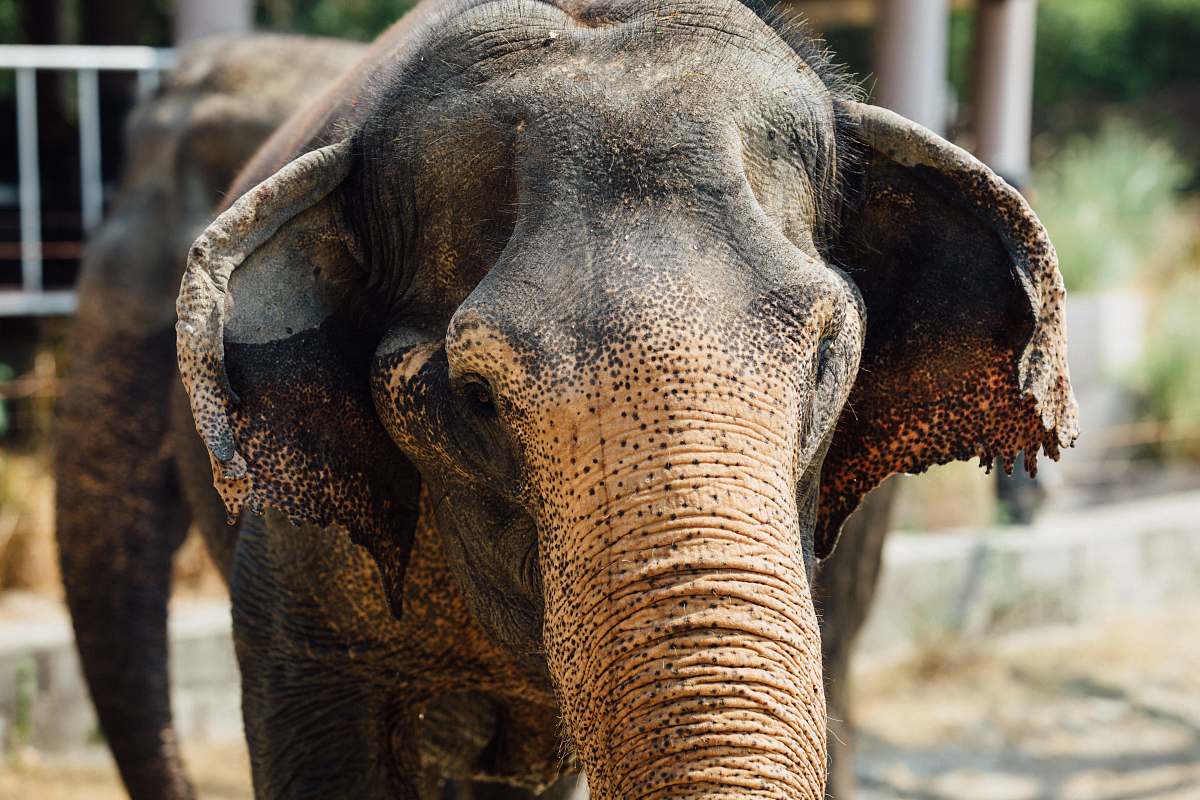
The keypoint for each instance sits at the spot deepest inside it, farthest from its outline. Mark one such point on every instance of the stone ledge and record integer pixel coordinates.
(43, 702)
(938, 588)
(1077, 569)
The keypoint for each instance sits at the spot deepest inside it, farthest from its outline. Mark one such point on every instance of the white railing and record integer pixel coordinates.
(87, 62)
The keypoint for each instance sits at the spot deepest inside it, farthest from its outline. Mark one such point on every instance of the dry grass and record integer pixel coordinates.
(28, 553)
(28, 559)
(220, 772)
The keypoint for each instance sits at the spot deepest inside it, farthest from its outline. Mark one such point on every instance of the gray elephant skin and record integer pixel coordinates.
(541, 359)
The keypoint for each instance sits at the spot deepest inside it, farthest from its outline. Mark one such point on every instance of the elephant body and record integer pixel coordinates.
(133, 475)
(519, 354)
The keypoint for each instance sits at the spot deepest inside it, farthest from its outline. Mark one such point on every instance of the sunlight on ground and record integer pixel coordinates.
(221, 772)
(1110, 716)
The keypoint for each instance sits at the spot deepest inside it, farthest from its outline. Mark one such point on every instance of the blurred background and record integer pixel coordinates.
(1031, 639)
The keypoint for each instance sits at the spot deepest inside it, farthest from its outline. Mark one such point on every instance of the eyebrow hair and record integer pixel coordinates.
(795, 31)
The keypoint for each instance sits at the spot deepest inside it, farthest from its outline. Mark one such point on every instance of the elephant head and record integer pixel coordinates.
(646, 302)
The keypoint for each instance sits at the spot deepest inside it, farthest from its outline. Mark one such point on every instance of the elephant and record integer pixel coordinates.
(538, 363)
(120, 504)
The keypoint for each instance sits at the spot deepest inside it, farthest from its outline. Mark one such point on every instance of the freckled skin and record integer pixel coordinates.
(122, 507)
(537, 348)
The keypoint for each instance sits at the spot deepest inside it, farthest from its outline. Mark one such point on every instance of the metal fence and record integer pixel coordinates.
(31, 298)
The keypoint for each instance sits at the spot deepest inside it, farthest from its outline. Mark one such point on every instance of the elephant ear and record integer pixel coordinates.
(278, 379)
(966, 351)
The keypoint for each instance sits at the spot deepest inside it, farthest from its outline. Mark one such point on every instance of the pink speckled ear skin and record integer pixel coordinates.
(966, 349)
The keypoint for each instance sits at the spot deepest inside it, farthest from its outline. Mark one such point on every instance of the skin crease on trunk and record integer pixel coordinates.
(528, 358)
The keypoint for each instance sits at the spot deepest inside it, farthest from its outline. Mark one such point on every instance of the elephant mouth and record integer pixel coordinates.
(472, 736)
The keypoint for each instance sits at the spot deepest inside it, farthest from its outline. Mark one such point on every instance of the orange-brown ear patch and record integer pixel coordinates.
(966, 352)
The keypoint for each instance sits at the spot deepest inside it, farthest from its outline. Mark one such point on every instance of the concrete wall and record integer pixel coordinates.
(44, 704)
(936, 588)
(1077, 569)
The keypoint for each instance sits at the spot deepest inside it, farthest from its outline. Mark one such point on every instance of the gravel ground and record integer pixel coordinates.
(221, 772)
(1110, 714)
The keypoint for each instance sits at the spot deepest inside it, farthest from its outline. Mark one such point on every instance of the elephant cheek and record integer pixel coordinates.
(408, 387)
(679, 623)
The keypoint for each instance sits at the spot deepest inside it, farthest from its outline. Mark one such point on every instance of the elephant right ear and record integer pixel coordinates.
(278, 380)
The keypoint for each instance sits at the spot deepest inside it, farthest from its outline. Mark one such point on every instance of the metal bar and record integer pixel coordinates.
(148, 63)
(147, 82)
(72, 57)
(24, 304)
(90, 174)
(30, 180)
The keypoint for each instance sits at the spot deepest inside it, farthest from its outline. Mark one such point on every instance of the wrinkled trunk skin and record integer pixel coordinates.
(679, 624)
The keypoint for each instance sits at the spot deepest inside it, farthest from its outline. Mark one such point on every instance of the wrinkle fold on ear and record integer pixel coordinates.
(966, 353)
(278, 372)
(201, 308)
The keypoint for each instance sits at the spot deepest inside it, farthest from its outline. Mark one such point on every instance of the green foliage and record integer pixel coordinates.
(10, 31)
(352, 19)
(6, 374)
(1106, 200)
(1089, 52)
(1168, 376)
(1115, 50)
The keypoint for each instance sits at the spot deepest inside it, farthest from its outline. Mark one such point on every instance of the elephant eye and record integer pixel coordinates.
(479, 395)
(824, 348)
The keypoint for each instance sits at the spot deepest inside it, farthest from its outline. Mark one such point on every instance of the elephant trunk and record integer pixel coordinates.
(679, 623)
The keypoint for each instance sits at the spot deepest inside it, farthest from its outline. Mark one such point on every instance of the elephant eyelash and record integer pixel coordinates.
(824, 351)
(478, 395)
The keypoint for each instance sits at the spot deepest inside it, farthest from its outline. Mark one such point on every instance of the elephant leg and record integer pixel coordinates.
(844, 588)
(568, 787)
(317, 725)
(119, 521)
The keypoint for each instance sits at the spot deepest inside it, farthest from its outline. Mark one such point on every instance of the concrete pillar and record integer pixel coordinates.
(197, 18)
(1003, 105)
(911, 58)
(1005, 34)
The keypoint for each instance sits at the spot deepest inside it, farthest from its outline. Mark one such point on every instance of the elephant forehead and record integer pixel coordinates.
(502, 27)
(521, 120)
(643, 61)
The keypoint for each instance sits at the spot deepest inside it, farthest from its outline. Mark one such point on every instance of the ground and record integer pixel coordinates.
(1112, 713)
(221, 772)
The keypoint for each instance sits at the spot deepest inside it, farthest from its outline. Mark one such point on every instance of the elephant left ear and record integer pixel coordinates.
(278, 373)
(966, 350)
